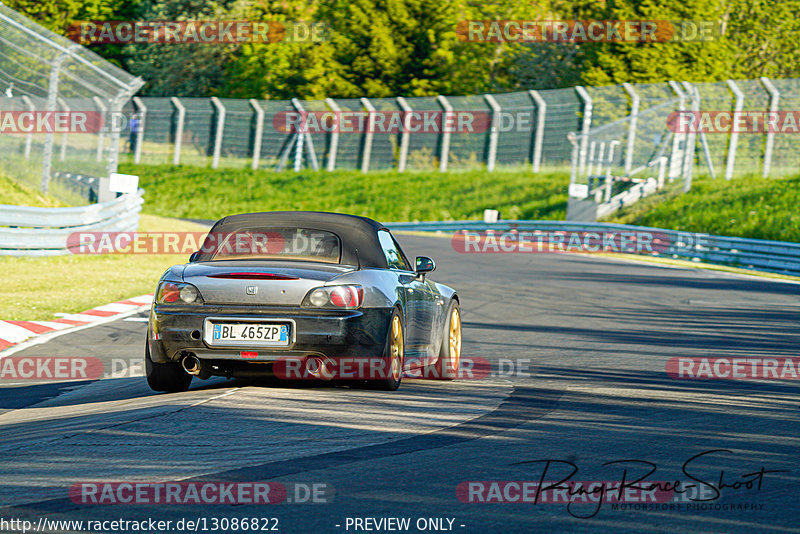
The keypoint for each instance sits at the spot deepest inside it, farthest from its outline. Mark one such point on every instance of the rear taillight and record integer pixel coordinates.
(178, 293)
(347, 297)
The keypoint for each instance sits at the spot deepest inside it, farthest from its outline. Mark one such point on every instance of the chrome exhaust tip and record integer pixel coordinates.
(191, 364)
(316, 367)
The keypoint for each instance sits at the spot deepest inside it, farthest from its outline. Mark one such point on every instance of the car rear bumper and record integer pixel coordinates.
(175, 331)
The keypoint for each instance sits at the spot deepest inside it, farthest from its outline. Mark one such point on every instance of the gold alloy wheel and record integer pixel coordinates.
(396, 348)
(455, 339)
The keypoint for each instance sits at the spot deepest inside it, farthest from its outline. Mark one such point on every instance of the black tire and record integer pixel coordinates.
(169, 377)
(392, 379)
(449, 361)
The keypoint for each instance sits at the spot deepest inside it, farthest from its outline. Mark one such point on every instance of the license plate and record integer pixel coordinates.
(270, 334)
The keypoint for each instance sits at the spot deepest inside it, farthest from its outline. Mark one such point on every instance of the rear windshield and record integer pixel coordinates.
(302, 244)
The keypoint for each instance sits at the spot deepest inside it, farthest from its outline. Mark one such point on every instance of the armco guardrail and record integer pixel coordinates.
(28, 231)
(756, 254)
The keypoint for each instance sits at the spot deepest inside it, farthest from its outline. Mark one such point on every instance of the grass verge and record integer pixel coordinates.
(749, 206)
(202, 193)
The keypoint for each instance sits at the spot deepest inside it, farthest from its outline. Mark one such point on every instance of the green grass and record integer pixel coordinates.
(749, 206)
(35, 289)
(16, 194)
(198, 192)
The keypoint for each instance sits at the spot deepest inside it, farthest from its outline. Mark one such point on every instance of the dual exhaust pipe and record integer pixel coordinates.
(315, 366)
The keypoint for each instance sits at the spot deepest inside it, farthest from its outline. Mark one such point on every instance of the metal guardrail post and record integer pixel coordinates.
(675, 159)
(366, 152)
(631, 125)
(141, 110)
(258, 133)
(538, 138)
(405, 137)
(444, 152)
(28, 138)
(734, 137)
(491, 156)
(219, 131)
(586, 125)
(334, 147)
(100, 135)
(774, 103)
(63, 152)
(176, 155)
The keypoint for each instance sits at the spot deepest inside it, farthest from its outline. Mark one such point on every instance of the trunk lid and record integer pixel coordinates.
(259, 283)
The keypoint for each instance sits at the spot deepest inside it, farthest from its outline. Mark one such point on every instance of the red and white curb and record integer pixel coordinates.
(14, 332)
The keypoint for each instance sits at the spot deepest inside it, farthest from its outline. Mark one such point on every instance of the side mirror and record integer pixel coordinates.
(193, 257)
(424, 265)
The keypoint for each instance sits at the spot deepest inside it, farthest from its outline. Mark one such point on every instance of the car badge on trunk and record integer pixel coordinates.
(251, 290)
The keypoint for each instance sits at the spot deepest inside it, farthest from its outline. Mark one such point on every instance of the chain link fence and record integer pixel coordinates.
(61, 107)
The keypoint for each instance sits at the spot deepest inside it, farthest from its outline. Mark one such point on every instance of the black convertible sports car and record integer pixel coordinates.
(301, 295)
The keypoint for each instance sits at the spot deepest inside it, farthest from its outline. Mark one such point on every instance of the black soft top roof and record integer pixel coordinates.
(355, 232)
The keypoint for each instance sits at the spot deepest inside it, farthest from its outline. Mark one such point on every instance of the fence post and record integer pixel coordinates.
(176, 156)
(141, 110)
(662, 170)
(63, 153)
(734, 138)
(259, 132)
(102, 107)
(28, 138)
(298, 154)
(573, 174)
(52, 94)
(631, 126)
(609, 178)
(774, 101)
(538, 138)
(590, 162)
(444, 152)
(116, 106)
(334, 148)
(405, 137)
(585, 126)
(691, 138)
(366, 153)
(491, 156)
(219, 131)
(675, 161)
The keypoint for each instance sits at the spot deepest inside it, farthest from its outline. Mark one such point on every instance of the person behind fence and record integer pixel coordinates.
(134, 134)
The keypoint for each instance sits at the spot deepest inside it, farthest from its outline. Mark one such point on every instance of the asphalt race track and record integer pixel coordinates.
(578, 346)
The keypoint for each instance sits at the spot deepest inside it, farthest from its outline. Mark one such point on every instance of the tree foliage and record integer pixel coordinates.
(380, 48)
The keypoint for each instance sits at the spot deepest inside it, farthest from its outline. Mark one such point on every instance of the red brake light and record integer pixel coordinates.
(170, 293)
(253, 276)
(347, 296)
